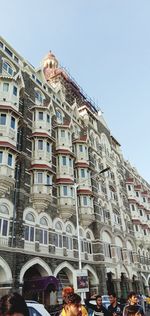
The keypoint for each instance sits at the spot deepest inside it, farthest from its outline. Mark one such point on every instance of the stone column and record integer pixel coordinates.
(117, 287)
(101, 273)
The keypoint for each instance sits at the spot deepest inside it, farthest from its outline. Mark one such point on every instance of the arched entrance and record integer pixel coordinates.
(5, 277)
(124, 286)
(109, 282)
(64, 273)
(135, 284)
(38, 282)
(93, 279)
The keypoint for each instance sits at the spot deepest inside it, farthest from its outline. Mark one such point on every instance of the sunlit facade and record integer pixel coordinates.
(52, 136)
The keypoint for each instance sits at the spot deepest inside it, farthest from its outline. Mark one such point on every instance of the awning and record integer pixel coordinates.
(41, 284)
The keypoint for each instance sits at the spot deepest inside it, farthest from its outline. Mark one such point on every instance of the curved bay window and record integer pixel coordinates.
(30, 227)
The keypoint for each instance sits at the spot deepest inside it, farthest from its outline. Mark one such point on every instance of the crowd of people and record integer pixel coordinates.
(14, 304)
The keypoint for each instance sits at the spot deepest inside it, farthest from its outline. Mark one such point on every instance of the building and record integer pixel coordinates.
(52, 136)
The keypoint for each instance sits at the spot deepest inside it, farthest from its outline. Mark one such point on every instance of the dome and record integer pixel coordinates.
(50, 61)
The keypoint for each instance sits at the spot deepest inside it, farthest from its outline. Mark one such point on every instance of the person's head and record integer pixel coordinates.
(13, 304)
(98, 300)
(113, 298)
(132, 298)
(73, 305)
(132, 310)
(67, 291)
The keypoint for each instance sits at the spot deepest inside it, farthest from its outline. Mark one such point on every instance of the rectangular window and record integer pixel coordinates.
(8, 51)
(69, 243)
(48, 179)
(4, 228)
(48, 147)
(144, 200)
(65, 190)
(59, 115)
(40, 177)
(62, 133)
(132, 206)
(41, 116)
(141, 213)
(129, 187)
(85, 200)
(83, 173)
(145, 233)
(43, 236)
(3, 119)
(12, 122)
(31, 233)
(5, 87)
(70, 162)
(48, 118)
(137, 193)
(1, 156)
(16, 59)
(64, 160)
(9, 162)
(40, 144)
(81, 148)
(136, 227)
(26, 234)
(15, 90)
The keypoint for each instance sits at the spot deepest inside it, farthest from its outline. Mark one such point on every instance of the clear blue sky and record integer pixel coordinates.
(105, 44)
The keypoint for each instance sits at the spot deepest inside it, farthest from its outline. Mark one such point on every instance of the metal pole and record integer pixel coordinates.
(77, 223)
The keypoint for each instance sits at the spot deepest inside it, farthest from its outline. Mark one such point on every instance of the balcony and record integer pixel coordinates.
(65, 172)
(41, 196)
(7, 179)
(86, 215)
(41, 126)
(66, 206)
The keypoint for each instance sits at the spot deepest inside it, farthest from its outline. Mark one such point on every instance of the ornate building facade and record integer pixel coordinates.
(51, 137)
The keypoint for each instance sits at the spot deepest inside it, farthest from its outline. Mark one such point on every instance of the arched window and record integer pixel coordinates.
(119, 246)
(4, 220)
(130, 252)
(89, 243)
(30, 227)
(58, 238)
(107, 244)
(117, 217)
(69, 241)
(58, 226)
(43, 231)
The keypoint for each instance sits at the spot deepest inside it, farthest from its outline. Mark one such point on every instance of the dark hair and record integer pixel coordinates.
(13, 303)
(132, 309)
(131, 294)
(98, 296)
(113, 294)
(73, 299)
